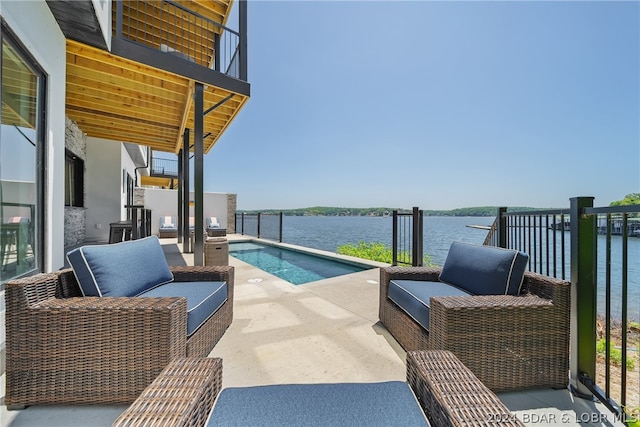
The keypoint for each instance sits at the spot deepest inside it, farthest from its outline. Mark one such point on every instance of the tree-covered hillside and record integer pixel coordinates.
(337, 211)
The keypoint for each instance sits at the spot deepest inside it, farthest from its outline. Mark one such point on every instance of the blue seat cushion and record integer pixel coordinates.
(414, 297)
(123, 269)
(203, 299)
(346, 404)
(484, 270)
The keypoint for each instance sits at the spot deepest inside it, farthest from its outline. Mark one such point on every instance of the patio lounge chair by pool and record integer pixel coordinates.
(168, 227)
(100, 333)
(510, 327)
(212, 222)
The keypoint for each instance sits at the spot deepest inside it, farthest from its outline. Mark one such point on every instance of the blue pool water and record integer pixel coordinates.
(293, 266)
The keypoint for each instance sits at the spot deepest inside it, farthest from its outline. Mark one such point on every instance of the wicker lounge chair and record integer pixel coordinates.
(510, 342)
(63, 348)
(168, 227)
(212, 222)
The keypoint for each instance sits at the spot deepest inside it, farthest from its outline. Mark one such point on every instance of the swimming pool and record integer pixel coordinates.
(293, 266)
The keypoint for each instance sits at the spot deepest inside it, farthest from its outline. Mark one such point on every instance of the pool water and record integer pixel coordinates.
(293, 266)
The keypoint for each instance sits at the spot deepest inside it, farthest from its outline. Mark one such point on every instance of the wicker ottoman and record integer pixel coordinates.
(451, 395)
(182, 395)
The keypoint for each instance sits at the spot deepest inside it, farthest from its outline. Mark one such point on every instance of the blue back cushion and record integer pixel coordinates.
(484, 270)
(120, 270)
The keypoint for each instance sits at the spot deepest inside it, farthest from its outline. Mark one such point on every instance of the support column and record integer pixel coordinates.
(180, 196)
(583, 294)
(185, 192)
(242, 29)
(198, 174)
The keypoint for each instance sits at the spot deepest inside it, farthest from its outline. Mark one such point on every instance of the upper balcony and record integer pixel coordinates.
(141, 91)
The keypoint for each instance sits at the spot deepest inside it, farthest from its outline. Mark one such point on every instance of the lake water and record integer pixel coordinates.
(329, 232)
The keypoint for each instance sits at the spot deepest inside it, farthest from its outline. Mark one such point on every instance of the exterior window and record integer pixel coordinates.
(21, 160)
(74, 180)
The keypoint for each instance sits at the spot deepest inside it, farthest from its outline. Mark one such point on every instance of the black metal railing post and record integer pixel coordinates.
(415, 248)
(242, 43)
(258, 225)
(280, 231)
(416, 238)
(583, 294)
(119, 10)
(501, 228)
(216, 52)
(242, 224)
(394, 239)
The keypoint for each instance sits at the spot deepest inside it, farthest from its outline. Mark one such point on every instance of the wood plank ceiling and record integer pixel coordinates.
(115, 98)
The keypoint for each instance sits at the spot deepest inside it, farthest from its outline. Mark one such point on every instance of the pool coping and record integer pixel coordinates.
(347, 259)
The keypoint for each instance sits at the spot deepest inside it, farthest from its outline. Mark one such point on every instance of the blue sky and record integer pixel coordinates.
(438, 105)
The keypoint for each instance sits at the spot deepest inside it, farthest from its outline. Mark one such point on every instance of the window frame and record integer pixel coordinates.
(76, 188)
(10, 38)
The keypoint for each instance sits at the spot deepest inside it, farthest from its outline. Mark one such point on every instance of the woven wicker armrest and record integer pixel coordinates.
(451, 395)
(509, 342)
(89, 350)
(491, 302)
(182, 395)
(224, 273)
(409, 273)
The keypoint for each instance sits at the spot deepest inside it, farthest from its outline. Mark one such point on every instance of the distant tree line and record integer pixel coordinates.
(335, 211)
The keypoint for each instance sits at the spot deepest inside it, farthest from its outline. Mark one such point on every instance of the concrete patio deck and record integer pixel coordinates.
(325, 331)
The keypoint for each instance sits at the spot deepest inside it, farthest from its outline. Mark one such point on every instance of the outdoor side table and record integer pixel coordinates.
(216, 251)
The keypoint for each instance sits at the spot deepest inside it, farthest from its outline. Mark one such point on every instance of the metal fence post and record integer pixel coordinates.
(420, 238)
(258, 225)
(280, 233)
(583, 294)
(416, 245)
(394, 239)
(501, 229)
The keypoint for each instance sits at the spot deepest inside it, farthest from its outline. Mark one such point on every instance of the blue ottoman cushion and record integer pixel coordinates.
(484, 270)
(413, 296)
(346, 404)
(120, 270)
(203, 299)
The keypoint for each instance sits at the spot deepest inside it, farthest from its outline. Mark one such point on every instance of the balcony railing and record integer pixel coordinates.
(260, 225)
(172, 28)
(599, 249)
(165, 168)
(407, 240)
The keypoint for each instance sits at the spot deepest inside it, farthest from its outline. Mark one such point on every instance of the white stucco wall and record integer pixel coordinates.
(34, 25)
(103, 187)
(165, 203)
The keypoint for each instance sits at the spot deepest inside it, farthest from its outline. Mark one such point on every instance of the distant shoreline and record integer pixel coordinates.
(479, 211)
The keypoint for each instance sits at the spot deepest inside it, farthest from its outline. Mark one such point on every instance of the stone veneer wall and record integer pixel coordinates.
(75, 217)
(231, 213)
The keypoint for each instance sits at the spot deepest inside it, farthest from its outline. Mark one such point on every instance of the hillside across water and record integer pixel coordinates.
(336, 211)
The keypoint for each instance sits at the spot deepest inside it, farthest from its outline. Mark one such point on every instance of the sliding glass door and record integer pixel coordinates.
(21, 161)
